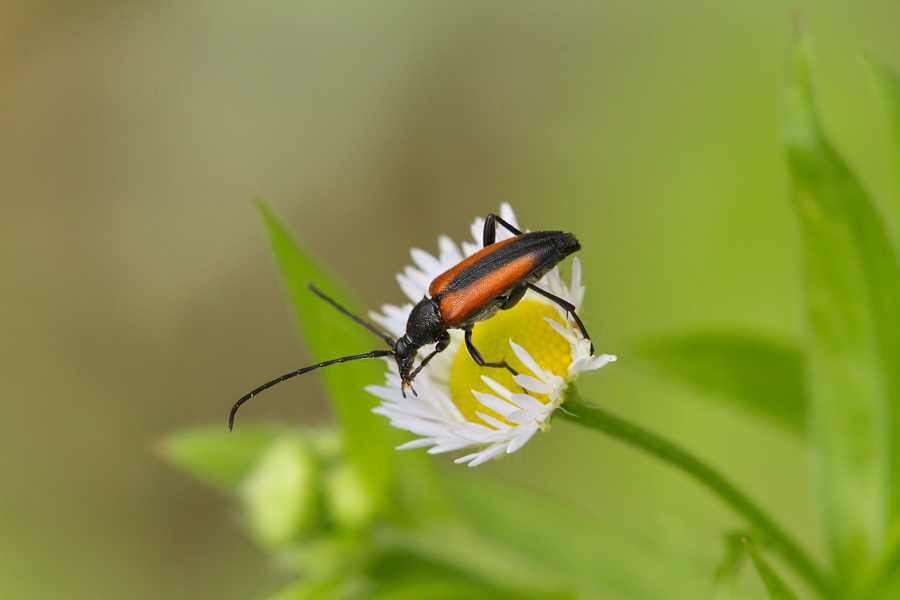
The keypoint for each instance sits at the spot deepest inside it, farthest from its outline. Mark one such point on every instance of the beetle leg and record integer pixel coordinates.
(479, 360)
(490, 229)
(566, 306)
(514, 296)
(440, 347)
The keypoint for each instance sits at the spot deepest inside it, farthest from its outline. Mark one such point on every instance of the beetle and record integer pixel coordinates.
(494, 278)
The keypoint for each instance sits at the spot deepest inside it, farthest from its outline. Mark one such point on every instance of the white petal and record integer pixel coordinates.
(449, 252)
(417, 443)
(469, 248)
(533, 385)
(522, 437)
(575, 278)
(477, 229)
(559, 329)
(526, 359)
(411, 284)
(527, 402)
(384, 392)
(508, 215)
(468, 429)
(443, 448)
(443, 406)
(473, 437)
(487, 454)
(554, 283)
(425, 427)
(522, 416)
(495, 423)
(415, 414)
(426, 262)
(501, 407)
(497, 436)
(600, 361)
(392, 318)
(499, 389)
(577, 366)
(577, 290)
(466, 458)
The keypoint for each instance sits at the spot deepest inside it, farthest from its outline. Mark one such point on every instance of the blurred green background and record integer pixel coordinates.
(137, 295)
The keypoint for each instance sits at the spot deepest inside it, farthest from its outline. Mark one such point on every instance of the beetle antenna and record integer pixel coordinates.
(265, 386)
(390, 341)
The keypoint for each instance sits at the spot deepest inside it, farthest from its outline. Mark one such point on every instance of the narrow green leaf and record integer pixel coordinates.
(331, 335)
(887, 89)
(729, 566)
(399, 575)
(756, 373)
(775, 585)
(411, 576)
(883, 579)
(852, 297)
(324, 589)
(369, 439)
(456, 546)
(212, 454)
(447, 587)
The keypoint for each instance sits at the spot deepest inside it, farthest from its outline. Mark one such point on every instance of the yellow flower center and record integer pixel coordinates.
(524, 324)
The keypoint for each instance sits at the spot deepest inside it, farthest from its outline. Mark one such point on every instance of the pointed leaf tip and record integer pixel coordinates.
(775, 585)
(330, 335)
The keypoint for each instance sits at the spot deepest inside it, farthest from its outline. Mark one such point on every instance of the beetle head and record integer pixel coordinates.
(405, 352)
(424, 326)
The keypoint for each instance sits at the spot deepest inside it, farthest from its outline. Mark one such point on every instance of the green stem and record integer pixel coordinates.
(578, 411)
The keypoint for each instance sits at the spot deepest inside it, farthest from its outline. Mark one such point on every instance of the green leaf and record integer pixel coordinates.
(729, 566)
(220, 458)
(331, 335)
(756, 373)
(775, 585)
(324, 589)
(883, 580)
(444, 587)
(411, 575)
(887, 88)
(457, 546)
(567, 548)
(852, 299)
(369, 439)
(401, 576)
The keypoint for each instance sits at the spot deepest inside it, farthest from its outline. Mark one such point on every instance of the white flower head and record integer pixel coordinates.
(461, 406)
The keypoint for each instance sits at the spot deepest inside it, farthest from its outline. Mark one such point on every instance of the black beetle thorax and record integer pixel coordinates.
(425, 325)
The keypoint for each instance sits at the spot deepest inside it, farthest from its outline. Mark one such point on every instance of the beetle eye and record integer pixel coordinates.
(401, 350)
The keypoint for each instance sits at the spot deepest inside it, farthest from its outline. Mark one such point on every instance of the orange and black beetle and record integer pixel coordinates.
(494, 278)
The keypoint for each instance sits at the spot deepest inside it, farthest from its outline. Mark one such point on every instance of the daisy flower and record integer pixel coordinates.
(486, 411)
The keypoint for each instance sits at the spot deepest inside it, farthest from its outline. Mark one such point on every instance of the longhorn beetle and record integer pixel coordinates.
(494, 278)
